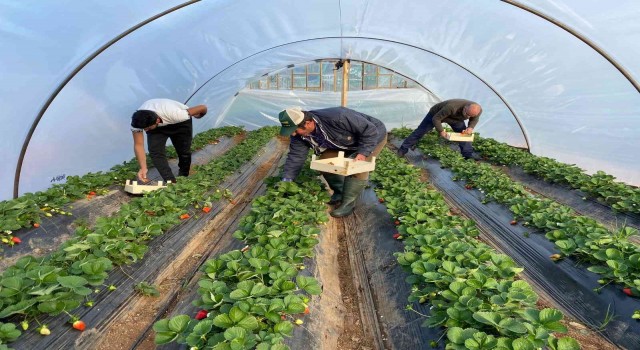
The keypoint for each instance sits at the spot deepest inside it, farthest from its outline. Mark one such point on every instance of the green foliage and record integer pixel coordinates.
(60, 282)
(619, 196)
(147, 289)
(31, 207)
(472, 290)
(609, 252)
(250, 296)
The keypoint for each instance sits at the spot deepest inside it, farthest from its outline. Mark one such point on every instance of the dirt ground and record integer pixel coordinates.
(352, 337)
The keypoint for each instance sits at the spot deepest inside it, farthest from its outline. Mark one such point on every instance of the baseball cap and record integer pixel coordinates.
(290, 118)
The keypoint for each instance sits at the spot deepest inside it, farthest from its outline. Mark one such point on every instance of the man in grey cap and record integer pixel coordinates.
(452, 112)
(329, 131)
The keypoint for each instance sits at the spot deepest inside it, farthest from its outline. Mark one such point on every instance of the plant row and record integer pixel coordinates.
(28, 209)
(473, 291)
(618, 195)
(62, 281)
(249, 297)
(610, 252)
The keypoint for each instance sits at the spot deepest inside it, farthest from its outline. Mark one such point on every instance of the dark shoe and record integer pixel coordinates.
(472, 157)
(352, 189)
(402, 152)
(336, 184)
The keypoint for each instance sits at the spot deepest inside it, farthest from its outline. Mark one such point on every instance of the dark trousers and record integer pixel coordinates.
(181, 135)
(427, 125)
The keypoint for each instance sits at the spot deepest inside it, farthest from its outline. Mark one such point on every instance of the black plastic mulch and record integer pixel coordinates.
(574, 199)
(372, 240)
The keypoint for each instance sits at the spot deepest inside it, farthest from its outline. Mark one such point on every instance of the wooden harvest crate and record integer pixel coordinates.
(456, 136)
(341, 165)
(132, 187)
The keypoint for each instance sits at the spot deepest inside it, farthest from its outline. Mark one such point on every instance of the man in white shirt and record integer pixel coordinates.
(164, 119)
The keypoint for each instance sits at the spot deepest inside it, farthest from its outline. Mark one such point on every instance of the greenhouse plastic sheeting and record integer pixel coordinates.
(540, 85)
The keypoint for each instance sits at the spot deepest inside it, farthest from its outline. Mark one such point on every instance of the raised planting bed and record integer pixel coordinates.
(474, 291)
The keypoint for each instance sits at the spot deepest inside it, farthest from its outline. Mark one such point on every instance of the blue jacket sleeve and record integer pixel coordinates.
(298, 151)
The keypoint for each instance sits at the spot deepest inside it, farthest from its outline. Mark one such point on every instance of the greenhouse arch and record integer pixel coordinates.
(161, 189)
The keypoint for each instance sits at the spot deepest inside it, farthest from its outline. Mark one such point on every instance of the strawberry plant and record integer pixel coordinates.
(609, 252)
(473, 291)
(619, 196)
(248, 298)
(28, 209)
(60, 282)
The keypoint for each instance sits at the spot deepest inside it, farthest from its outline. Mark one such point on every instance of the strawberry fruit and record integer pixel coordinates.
(36, 225)
(206, 209)
(513, 222)
(79, 325)
(627, 291)
(185, 216)
(201, 314)
(397, 223)
(16, 240)
(44, 330)
(381, 200)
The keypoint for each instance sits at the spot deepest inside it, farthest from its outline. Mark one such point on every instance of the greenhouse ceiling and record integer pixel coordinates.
(559, 77)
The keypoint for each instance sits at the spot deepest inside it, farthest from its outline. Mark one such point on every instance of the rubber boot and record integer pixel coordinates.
(352, 189)
(336, 184)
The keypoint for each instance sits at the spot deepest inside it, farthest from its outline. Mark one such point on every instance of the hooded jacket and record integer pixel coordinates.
(345, 129)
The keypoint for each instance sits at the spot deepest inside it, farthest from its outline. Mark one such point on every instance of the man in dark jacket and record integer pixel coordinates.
(329, 131)
(452, 112)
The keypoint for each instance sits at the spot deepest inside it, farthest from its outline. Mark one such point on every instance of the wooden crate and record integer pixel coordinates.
(133, 187)
(341, 165)
(456, 136)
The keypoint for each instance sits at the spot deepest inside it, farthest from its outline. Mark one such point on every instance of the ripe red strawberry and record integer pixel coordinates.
(201, 314)
(306, 310)
(79, 325)
(16, 240)
(397, 223)
(468, 187)
(627, 291)
(36, 225)
(92, 193)
(206, 209)
(397, 236)
(381, 200)
(513, 222)
(184, 216)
